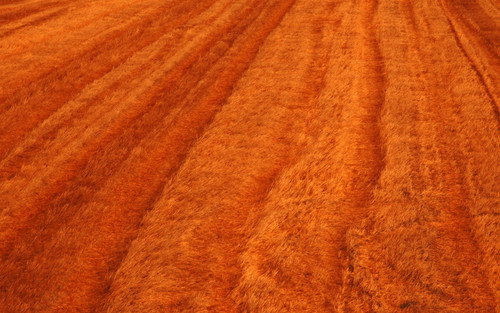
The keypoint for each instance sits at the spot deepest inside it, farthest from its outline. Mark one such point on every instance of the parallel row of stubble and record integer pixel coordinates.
(249, 156)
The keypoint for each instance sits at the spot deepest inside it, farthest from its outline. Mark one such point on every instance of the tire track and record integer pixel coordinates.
(35, 21)
(426, 245)
(28, 10)
(143, 123)
(483, 19)
(132, 71)
(68, 79)
(220, 301)
(34, 41)
(474, 163)
(494, 105)
(197, 113)
(51, 127)
(249, 156)
(91, 34)
(477, 52)
(300, 229)
(71, 169)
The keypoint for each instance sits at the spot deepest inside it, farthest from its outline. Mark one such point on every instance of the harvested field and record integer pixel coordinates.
(249, 156)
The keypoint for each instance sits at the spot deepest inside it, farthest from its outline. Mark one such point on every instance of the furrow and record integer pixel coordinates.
(181, 132)
(34, 21)
(73, 77)
(418, 251)
(78, 152)
(494, 105)
(215, 225)
(145, 68)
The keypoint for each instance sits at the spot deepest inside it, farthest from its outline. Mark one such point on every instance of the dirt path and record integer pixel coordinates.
(249, 156)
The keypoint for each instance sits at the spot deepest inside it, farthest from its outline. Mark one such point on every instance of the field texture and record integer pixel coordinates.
(249, 156)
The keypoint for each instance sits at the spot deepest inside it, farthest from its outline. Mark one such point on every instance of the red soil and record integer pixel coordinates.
(249, 156)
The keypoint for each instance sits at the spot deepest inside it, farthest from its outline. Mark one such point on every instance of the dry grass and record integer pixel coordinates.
(249, 156)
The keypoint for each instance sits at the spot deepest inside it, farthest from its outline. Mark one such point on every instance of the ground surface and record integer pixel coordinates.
(249, 156)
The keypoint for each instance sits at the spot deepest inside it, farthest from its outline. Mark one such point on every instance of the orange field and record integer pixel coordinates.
(249, 156)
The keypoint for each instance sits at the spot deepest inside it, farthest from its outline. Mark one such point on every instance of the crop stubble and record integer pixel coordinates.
(249, 156)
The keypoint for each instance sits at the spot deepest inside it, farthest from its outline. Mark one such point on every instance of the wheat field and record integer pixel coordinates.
(249, 156)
